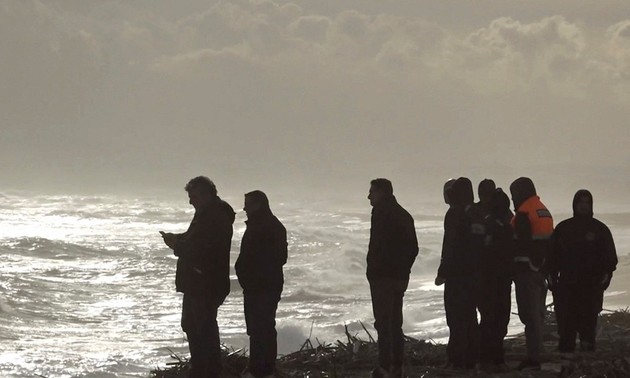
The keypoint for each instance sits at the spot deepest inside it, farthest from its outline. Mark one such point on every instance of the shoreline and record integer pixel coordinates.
(354, 357)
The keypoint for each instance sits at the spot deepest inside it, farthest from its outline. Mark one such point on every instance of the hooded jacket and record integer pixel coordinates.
(393, 242)
(533, 226)
(478, 214)
(203, 251)
(497, 258)
(583, 249)
(457, 253)
(263, 253)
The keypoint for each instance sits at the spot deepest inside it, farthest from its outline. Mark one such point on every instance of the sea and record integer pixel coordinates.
(87, 285)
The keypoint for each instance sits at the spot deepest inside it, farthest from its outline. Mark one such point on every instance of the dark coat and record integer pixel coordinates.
(203, 267)
(583, 250)
(458, 258)
(263, 253)
(497, 257)
(393, 242)
(477, 214)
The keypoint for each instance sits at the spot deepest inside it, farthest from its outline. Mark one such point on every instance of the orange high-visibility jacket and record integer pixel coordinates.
(540, 218)
(541, 223)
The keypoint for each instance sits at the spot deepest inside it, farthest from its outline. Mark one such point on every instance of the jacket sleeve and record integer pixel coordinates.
(281, 245)
(410, 239)
(556, 252)
(449, 245)
(522, 227)
(610, 252)
(197, 239)
(271, 248)
(209, 234)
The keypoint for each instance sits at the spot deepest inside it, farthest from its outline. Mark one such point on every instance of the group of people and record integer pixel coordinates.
(203, 276)
(486, 247)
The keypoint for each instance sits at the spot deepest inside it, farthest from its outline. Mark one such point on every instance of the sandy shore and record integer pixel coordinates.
(354, 357)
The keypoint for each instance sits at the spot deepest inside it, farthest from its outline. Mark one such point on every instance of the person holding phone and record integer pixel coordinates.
(203, 273)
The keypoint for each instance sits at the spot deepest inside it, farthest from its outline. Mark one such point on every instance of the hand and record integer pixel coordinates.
(439, 280)
(170, 239)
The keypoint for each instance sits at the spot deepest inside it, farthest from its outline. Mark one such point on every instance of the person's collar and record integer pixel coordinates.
(386, 201)
(260, 214)
(207, 206)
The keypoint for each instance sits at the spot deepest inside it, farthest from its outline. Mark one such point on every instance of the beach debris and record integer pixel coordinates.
(354, 357)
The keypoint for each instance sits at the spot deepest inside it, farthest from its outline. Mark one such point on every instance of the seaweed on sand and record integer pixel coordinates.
(354, 357)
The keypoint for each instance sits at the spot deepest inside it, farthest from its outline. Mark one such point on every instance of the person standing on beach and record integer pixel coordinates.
(259, 271)
(581, 266)
(391, 253)
(478, 213)
(533, 226)
(203, 273)
(495, 282)
(457, 271)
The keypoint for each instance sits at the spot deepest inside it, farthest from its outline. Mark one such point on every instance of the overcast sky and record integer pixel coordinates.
(261, 93)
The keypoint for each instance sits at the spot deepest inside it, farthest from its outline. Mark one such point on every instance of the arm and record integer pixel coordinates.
(610, 257)
(410, 239)
(205, 234)
(448, 249)
(554, 260)
(170, 239)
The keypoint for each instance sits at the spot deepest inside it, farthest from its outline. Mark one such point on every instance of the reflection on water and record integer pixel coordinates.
(87, 287)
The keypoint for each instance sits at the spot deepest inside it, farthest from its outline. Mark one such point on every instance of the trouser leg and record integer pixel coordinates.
(387, 298)
(398, 339)
(529, 290)
(199, 321)
(494, 307)
(502, 315)
(381, 307)
(260, 317)
(488, 324)
(591, 305)
(461, 318)
(564, 318)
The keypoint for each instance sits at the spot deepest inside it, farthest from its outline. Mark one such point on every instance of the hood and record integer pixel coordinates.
(485, 190)
(582, 193)
(499, 203)
(448, 186)
(521, 189)
(261, 214)
(461, 194)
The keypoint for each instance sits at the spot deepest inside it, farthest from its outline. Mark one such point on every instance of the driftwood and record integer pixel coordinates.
(354, 357)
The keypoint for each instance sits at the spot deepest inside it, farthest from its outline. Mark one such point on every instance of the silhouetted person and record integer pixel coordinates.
(533, 226)
(477, 214)
(495, 281)
(457, 271)
(392, 250)
(259, 270)
(203, 273)
(581, 267)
